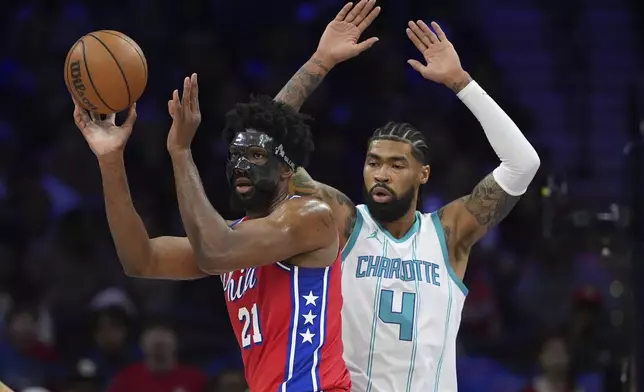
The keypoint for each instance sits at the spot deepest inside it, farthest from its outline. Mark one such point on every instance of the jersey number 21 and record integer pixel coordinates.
(404, 318)
(250, 319)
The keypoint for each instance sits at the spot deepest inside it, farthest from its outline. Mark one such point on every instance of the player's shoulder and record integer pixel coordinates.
(304, 207)
(301, 215)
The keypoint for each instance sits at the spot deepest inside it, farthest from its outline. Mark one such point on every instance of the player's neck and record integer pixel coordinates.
(282, 195)
(402, 225)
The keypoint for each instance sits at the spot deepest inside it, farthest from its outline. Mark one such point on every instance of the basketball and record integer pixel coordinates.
(106, 71)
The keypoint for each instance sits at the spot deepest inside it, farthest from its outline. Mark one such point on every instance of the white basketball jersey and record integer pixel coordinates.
(402, 308)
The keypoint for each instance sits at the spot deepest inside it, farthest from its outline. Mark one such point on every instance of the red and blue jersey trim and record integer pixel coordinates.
(307, 330)
(307, 326)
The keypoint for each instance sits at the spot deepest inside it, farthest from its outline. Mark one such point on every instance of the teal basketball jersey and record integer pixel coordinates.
(402, 307)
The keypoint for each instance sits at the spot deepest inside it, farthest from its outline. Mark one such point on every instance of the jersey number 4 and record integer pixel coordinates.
(404, 318)
(248, 318)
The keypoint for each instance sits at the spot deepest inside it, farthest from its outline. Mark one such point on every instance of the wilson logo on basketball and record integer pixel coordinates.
(77, 82)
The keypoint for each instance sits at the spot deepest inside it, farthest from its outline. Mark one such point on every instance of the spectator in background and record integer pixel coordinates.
(481, 327)
(160, 371)
(230, 380)
(585, 333)
(113, 347)
(555, 369)
(24, 360)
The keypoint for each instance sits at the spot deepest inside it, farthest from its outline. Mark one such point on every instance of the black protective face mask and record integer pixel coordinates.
(392, 210)
(264, 177)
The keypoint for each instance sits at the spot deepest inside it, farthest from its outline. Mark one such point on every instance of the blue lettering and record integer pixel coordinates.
(419, 273)
(373, 265)
(395, 269)
(384, 267)
(435, 275)
(408, 271)
(428, 274)
(359, 272)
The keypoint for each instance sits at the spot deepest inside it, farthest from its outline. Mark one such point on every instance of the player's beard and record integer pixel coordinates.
(257, 202)
(392, 210)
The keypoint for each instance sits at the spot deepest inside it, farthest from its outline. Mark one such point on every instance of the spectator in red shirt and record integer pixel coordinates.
(160, 370)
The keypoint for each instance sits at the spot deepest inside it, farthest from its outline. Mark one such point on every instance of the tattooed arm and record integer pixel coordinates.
(338, 43)
(344, 211)
(298, 89)
(466, 220)
(294, 93)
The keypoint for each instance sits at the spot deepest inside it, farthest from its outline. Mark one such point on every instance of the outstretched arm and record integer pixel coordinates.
(301, 85)
(466, 220)
(140, 256)
(494, 196)
(338, 43)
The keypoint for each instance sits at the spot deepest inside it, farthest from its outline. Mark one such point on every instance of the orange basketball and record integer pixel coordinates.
(106, 71)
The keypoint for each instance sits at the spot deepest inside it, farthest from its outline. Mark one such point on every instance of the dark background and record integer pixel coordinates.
(568, 72)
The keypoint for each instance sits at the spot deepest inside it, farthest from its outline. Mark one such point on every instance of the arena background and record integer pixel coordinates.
(568, 72)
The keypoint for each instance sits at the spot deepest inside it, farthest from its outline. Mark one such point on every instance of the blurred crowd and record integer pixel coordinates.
(543, 310)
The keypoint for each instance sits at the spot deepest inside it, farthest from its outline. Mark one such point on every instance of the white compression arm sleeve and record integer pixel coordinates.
(519, 160)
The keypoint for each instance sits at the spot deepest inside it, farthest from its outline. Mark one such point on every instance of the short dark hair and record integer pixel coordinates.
(404, 132)
(278, 120)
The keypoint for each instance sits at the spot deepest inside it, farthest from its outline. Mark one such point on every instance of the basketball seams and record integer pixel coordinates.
(91, 81)
(127, 85)
(134, 46)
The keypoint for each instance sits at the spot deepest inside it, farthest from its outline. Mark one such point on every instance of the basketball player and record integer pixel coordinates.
(402, 269)
(277, 264)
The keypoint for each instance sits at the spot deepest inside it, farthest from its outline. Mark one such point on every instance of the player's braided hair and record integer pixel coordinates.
(406, 133)
(277, 120)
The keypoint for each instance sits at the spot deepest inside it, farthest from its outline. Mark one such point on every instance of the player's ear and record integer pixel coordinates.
(424, 174)
(286, 172)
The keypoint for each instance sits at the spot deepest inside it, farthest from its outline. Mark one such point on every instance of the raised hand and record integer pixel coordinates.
(104, 136)
(186, 115)
(443, 65)
(339, 41)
